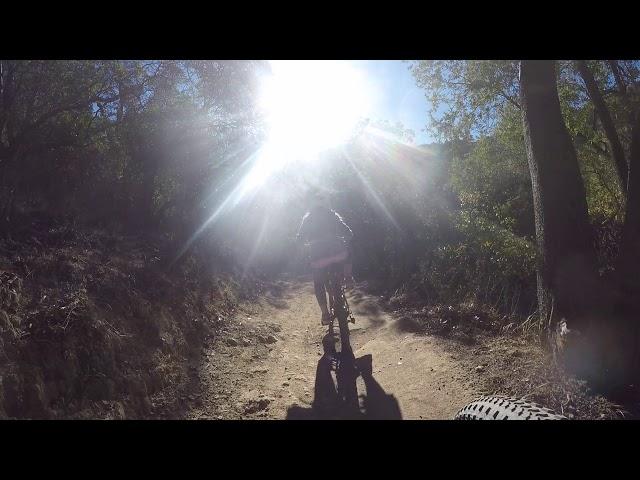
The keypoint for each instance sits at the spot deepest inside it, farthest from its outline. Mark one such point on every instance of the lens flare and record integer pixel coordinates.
(311, 109)
(310, 106)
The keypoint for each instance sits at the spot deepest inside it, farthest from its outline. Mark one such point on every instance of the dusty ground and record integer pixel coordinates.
(501, 357)
(267, 364)
(91, 327)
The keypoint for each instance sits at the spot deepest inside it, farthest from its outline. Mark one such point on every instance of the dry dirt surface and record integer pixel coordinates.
(269, 364)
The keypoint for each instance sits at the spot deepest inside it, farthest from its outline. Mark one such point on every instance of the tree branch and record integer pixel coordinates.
(622, 87)
(606, 121)
(509, 98)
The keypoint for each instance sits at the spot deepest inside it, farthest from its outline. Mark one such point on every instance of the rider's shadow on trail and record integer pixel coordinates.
(376, 404)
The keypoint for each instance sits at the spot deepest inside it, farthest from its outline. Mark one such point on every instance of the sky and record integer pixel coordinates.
(397, 97)
(315, 103)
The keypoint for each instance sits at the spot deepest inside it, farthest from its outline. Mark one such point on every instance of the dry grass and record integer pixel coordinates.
(519, 366)
(506, 356)
(91, 326)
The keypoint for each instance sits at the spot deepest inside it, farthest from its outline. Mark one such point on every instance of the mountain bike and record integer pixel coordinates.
(342, 360)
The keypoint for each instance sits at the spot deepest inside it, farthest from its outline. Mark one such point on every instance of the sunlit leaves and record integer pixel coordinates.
(466, 97)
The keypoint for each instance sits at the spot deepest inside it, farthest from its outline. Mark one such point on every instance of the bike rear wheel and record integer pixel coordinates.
(346, 373)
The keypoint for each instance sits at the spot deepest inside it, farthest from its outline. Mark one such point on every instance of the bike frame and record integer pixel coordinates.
(346, 371)
(345, 364)
(338, 305)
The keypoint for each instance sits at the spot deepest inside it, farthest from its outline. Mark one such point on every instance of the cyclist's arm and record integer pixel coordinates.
(343, 228)
(302, 234)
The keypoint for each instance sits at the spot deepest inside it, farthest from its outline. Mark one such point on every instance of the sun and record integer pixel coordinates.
(311, 105)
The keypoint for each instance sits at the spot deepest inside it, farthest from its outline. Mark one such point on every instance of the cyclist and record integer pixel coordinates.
(329, 239)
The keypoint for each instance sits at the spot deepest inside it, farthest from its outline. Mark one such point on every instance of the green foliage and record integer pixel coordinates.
(492, 180)
(487, 263)
(481, 100)
(139, 141)
(466, 96)
(397, 130)
(490, 256)
(475, 103)
(157, 145)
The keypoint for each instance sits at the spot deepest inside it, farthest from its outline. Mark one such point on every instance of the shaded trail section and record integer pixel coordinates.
(269, 363)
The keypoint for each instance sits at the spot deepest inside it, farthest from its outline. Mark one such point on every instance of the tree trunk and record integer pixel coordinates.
(120, 112)
(628, 279)
(607, 123)
(629, 257)
(8, 180)
(615, 68)
(566, 255)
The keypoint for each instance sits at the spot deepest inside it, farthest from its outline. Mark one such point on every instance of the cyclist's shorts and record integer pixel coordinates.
(327, 251)
(330, 260)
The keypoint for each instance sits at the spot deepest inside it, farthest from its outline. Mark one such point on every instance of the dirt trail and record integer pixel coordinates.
(266, 363)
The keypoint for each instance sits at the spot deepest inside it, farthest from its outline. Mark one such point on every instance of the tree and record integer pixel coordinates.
(629, 257)
(566, 263)
(396, 131)
(624, 91)
(141, 142)
(44, 105)
(471, 99)
(617, 152)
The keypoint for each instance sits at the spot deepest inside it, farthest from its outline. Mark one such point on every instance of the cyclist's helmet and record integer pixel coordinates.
(318, 198)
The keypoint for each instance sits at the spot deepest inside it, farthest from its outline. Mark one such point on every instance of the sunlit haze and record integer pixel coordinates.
(312, 105)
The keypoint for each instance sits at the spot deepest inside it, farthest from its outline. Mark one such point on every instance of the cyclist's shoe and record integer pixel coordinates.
(326, 318)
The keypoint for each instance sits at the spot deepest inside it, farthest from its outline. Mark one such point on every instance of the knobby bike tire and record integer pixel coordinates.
(505, 408)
